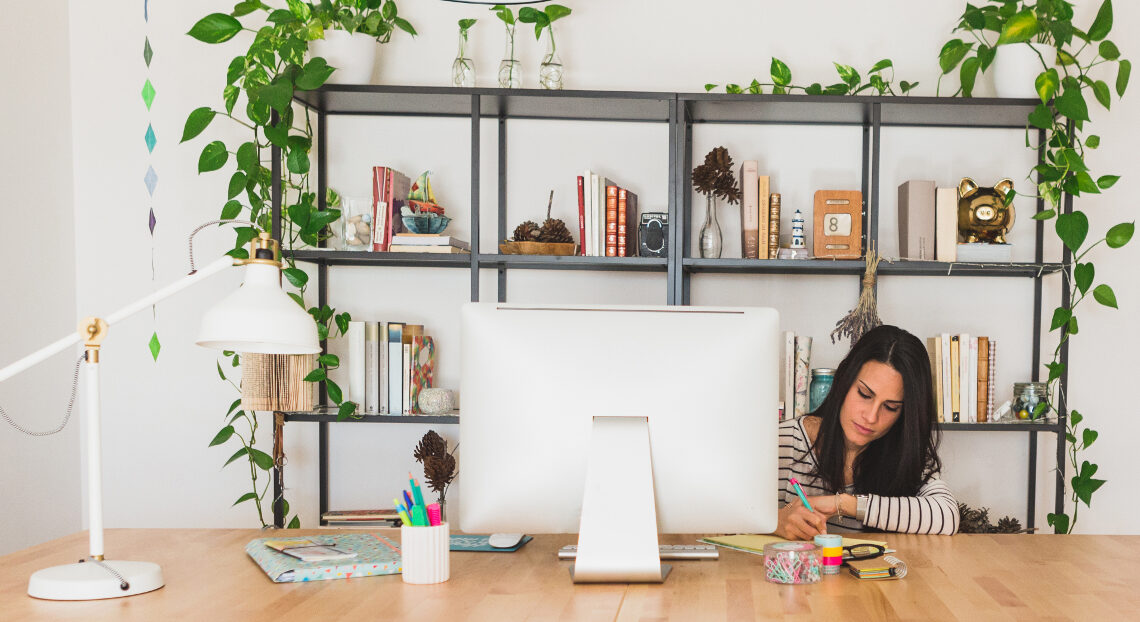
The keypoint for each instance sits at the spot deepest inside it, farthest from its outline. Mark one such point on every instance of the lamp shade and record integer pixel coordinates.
(260, 318)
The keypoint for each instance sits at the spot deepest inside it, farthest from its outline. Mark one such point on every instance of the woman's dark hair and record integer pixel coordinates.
(902, 460)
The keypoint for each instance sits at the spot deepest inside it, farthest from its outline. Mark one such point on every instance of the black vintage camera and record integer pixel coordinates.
(653, 234)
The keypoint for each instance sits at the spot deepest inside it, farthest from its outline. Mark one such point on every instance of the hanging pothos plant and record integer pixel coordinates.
(1071, 69)
(266, 76)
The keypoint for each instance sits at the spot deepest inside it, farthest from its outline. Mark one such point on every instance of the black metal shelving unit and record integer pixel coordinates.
(678, 112)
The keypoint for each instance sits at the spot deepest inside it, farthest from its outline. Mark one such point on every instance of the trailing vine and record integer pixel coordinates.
(851, 82)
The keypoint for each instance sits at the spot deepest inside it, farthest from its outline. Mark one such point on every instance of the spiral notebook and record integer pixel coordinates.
(375, 555)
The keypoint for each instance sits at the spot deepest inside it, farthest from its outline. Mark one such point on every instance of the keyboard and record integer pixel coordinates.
(667, 551)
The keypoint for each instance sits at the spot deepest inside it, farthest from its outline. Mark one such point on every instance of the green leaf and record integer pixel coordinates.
(755, 88)
(1072, 104)
(1102, 25)
(1047, 83)
(556, 11)
(986, 55)
(317, 375)
(1103, 95)
(881, 65)
(781, 75)
(466, 24)
(297, 162)
(1089, 437)
(246, 497)
(1019, 28)
(223, 435)
(1061, 317)
(277, 94)
(234, 406)
(1105, 296)
(198, 120)
(220, 373)
(1086, 184)
(346, 410)
(1045, 215)
(237, 454)
(296, 276)
(1075, 418)
(235, 70)
(1059, 522)
(1122, 75)
(710, 86)
(1119, 235)
(733, 89)
(261, 459)
(1093, 141)
(1108, 50)
(214, 157)
(906, 87)
(342, 321)
(237, 184)
(230, 95)
(297, 299)
(1072, 328)
(215, 28)
(1039, 410)
(952, 53)
(334, 391)
(1074, 160)
(1085, 487)
(1107, 181)
(329, 360)
(847, 73)
(295, 523)
(231, 210)
(1083, 274)
(1041, 117)
(300, 10)
(1055, 370)
(315, 73)
(968, 75)
(247, 159)
(1072, 229)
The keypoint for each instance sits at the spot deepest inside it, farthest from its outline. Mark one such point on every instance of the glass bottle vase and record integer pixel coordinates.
(510, 74)
(711, 241)
(463, 69)
(550, 71)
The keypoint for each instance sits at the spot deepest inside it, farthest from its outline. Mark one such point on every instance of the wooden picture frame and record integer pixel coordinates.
(838, 224)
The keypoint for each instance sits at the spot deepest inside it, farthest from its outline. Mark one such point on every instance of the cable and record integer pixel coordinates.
(207, 224)
(70, 405)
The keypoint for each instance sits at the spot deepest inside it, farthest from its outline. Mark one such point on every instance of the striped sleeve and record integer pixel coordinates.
(933, 511)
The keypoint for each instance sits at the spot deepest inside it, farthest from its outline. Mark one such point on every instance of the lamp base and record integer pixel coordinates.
(87, 581)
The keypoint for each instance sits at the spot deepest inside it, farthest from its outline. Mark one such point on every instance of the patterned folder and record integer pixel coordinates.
(375, 555)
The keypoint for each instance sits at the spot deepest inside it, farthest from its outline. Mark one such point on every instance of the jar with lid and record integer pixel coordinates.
(1026, 399)
(821, 378)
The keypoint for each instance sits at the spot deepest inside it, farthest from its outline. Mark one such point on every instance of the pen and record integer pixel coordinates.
(403, 514)
(416, 490)
(407, 500)
(800, 492)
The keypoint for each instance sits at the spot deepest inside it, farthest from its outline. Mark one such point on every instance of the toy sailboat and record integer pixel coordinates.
(422, 214)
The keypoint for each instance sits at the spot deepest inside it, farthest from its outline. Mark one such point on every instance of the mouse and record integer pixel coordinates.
(504, 540)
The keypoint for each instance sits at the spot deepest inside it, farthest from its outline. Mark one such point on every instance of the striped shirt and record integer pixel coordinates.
(933, 511)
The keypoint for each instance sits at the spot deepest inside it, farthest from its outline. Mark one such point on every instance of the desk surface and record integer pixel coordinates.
(964, 577)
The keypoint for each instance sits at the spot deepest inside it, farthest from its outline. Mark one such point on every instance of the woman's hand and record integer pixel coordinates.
(796, 522)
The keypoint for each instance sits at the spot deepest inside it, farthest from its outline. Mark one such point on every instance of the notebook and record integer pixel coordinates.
(755, 543)
(375, 555)
(309, 551)
(886, 567)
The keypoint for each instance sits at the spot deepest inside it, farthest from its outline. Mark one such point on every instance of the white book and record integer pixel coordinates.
(428, 239)
(371, 367)
(964, 377)
(395, 368)
(947, 403)
(600, 215)
(973, 380)
(992, 379)
(946, 224)
(789, 372)
(407, 370)
(356, 363)
(588, 210)
(382, 368)
(750, 210)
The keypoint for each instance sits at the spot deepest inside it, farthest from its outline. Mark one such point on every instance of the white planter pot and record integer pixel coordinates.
(353, 55)
(1016, 67)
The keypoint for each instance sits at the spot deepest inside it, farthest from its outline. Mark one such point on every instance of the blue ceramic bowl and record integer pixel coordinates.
(426, 223)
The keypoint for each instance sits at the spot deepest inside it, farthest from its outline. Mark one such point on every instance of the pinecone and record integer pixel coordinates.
(1009, 525)
(716, 177)
(439, 471)
(527, 232)
(973, 521)
(430, 445)
(554, 230)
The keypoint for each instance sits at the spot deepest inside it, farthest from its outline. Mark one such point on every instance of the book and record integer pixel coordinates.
(453, 250)
(631, 222)
(382, 368)
(774, 226)
(964, 377)
(886, 567)
(803, 375)
(623, 222)
(371, 402)
(309, 551)
(600, 216)
(984, 252)
(762, 202)
(789, 374)
(611, 221)
(357, 380)
(428, 239)
(395, 368)
(582, 215)
(360, 515)
(973, 383)
(749, 210)
(375, 555)
(588, 207)
(411, 331)
(916, 219)
(947, 414)
(379, 206)
(983, 364)
(955, 375)
(423, 368)
(992, 379)
(934, 349)
(946, 224)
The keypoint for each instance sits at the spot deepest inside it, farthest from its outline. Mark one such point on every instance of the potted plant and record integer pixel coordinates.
(550, 70)
(1066, 56)
(351, 30)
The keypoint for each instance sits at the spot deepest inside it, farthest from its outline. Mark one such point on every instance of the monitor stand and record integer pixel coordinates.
(617, 536)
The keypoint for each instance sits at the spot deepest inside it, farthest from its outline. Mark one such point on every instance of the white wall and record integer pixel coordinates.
(161, 416)
(40, 476)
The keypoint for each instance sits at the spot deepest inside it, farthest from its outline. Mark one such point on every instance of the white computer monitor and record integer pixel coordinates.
(616, 422)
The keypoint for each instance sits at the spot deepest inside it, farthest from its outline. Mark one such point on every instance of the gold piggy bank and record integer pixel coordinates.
(983, 215)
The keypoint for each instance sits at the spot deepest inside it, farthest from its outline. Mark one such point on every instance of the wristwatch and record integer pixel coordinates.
(861, 503)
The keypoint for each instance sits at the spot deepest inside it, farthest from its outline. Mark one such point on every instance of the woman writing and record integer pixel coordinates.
(868, 456)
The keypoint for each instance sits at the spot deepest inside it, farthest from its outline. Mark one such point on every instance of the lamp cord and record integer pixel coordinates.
(123, 584)
(207, 224)
(66, 418)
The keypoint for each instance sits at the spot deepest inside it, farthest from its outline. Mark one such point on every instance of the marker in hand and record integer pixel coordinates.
(800, 492)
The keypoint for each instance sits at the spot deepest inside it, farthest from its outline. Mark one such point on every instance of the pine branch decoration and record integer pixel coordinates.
(715, 177)
(432, 444)
(439, 465)
(865, 315)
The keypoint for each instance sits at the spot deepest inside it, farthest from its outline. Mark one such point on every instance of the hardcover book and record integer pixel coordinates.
(582, 215)
(763, 198)
(372, 346)
(983, 378)
(955, 377)
(946, 224)
(395, 368)
(916, 219)
(357, 379)
(375, 555)
(611, 221)
(750, 210)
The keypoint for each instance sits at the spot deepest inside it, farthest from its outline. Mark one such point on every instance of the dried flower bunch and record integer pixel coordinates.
(865, 315)
(552, 229)
(439, 465)
(715, 177)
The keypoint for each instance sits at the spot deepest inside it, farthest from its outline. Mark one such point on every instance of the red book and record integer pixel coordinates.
(582, 215)
(622, 222)
(611, 221)
(379, 212)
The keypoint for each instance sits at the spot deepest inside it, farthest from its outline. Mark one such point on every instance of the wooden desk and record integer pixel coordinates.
(965, 577)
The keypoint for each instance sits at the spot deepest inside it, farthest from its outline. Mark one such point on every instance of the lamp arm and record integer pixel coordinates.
(193, 278)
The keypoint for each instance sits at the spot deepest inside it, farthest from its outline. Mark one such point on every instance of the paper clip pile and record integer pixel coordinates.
(792, 563)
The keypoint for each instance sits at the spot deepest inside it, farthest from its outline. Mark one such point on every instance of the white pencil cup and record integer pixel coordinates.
(426, 553)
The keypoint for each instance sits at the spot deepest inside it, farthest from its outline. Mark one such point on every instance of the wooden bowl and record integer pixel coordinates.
(538, 248)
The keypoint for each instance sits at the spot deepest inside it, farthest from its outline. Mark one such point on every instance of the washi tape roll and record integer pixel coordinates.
(831, 558)
(792, 563)
(829, 541)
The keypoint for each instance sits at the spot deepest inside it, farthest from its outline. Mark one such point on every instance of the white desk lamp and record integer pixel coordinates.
(258, 318)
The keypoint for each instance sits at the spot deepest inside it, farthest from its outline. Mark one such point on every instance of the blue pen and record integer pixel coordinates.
(800, 492)
(408, 500)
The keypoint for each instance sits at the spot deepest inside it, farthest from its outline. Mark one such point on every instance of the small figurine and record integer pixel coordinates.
(798, 230)
(983, 214)
(422, 214)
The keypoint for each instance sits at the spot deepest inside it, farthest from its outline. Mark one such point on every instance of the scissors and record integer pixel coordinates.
(858, 552)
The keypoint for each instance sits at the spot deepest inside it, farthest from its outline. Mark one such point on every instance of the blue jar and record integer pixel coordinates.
(821, 378)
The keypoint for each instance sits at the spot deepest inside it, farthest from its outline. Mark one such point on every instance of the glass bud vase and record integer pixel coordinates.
(550, 71)
(711, 240)
(463, 69)
(510, 74)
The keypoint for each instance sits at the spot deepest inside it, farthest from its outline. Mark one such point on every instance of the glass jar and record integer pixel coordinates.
(1026, 398)
(354, 229)
(550, 71)
(821, 379)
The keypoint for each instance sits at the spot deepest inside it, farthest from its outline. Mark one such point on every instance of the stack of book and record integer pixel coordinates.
(607, 217)
(428, 243)
(389, 363)
(362, 518)
(964, 375)
(759, 214)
